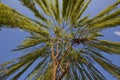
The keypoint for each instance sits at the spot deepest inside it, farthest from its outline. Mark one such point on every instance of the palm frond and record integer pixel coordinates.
(106, 24)
(32, 6)
(23, 70)
(83, 9)
(30, 43)
(65, 6)
(46, 75)
(109, 67)
(40, 69)
(13, 19)
(108, 47)
(23, 62)
(108, 17)
(51, 9)
(107, 10)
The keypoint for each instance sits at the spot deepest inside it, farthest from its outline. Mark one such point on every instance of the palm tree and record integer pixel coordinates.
(63, 41)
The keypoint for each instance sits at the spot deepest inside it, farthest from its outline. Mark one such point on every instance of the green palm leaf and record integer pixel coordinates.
(16, 20)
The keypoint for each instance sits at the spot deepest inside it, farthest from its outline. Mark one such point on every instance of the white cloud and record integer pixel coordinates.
(117, 33)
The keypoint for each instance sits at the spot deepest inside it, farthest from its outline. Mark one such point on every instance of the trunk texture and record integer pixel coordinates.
(54, 69)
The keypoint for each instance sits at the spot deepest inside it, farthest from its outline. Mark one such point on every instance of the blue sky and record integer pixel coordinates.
(10, 38)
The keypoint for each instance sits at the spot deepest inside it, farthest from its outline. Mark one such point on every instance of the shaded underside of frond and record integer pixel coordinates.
(82, 68)
(82, 65)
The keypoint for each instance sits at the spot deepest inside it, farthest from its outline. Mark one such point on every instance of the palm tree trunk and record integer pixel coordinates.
(54, 69)
(54, 63)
